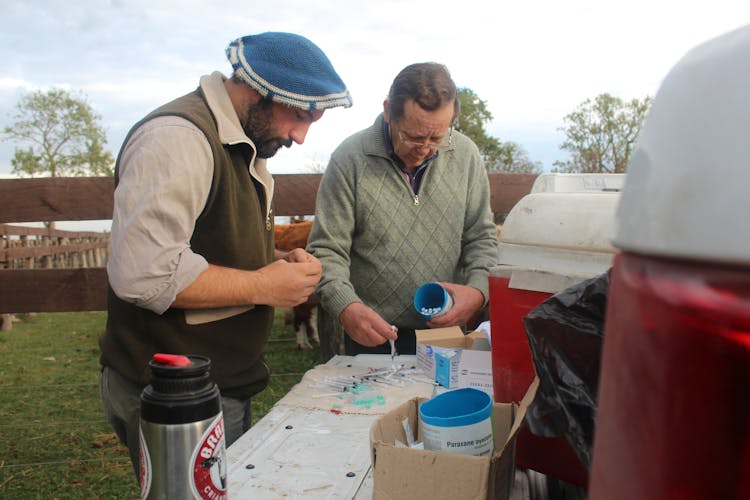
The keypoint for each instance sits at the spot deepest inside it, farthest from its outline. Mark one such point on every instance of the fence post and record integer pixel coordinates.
(6, 322)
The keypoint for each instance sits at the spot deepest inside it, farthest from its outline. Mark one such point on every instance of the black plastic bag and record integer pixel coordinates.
(565, 334)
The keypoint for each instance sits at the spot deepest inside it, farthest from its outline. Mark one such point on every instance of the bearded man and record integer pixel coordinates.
(192, 266)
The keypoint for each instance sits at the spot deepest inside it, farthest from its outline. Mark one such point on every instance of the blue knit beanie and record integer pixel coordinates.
(289, 69)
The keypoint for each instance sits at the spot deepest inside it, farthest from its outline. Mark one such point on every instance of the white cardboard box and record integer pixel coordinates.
(455, 360)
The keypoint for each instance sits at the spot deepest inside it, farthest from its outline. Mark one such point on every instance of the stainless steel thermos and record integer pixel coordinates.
(183, 451)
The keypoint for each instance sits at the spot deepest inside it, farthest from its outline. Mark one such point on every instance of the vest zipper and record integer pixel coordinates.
(416, 199)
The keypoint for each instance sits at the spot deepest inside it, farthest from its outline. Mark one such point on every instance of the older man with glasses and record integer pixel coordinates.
(404, 202)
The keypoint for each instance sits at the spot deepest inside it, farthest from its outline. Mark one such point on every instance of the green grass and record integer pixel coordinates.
(54, 439)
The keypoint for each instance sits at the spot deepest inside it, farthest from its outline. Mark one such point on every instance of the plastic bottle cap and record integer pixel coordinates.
(171, 359)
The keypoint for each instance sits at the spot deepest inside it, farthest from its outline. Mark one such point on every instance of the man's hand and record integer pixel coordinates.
(365, 326)
(287, 284)
(300, 255)
(467, 302)
(282, 283)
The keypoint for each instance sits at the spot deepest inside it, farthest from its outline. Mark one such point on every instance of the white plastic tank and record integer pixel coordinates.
(561, 233)
(578, 183)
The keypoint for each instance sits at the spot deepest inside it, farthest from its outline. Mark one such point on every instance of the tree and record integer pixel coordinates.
(62, 136)
(510, 157)
(498, 156)
(601, 133)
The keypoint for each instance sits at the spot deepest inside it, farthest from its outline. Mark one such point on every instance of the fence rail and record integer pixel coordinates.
(91, 198)
(23, 247)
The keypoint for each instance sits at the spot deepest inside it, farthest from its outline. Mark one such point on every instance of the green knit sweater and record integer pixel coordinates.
(378, 241)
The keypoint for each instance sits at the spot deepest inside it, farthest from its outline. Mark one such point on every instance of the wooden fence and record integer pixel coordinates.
(23, 247)
(50, 288)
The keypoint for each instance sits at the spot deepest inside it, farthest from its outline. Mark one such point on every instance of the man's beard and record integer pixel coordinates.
(258, 129)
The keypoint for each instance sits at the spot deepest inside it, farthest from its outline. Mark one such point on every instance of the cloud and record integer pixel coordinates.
(532, 62)
(14, 84)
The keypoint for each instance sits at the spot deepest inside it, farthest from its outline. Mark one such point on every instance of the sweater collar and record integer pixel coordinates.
(375, 143)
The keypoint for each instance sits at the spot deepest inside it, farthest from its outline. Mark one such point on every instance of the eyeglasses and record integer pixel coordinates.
(430, 145)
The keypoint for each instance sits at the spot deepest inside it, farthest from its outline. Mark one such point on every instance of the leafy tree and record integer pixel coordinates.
(601, 133)
(510, 157)
(498, 156)
(62, 136)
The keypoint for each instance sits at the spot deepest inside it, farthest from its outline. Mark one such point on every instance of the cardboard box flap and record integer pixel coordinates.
(523, 406)
(453, 337)
(383, 430)
(441, 337)
(502, 425)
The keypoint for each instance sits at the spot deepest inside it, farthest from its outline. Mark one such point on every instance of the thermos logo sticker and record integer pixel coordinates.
(209, 477)
(144, 461)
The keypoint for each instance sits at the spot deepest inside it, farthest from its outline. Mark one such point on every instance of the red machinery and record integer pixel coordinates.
(556, 236)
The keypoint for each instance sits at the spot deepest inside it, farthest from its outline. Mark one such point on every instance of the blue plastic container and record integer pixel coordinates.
(432, 299)
(458, 421)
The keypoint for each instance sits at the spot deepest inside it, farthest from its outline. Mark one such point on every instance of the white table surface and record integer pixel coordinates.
(303, 449)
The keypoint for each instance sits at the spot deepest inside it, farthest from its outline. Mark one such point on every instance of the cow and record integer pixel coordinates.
(304, 317)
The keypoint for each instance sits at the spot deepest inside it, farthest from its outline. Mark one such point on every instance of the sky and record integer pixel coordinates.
(532, 62)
